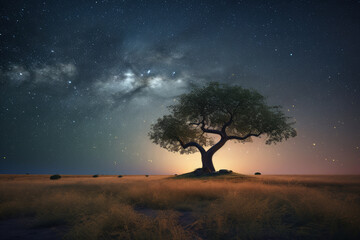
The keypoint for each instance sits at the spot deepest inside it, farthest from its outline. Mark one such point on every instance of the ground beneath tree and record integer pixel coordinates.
(221, 174)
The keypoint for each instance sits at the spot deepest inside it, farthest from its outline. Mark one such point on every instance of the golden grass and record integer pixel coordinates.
(262, 207)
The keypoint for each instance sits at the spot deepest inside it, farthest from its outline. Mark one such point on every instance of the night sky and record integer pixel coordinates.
(82, 81)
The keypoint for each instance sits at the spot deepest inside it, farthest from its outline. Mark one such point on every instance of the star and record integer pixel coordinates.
(111, 74)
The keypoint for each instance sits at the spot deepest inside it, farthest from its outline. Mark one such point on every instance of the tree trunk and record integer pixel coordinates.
(207, 163)
(206, 157)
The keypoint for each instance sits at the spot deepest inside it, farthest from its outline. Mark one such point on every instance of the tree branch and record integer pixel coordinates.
(195, 123)
(191, 144)
(227, 123)
(218, 145)
(207, 130)
(245, 137)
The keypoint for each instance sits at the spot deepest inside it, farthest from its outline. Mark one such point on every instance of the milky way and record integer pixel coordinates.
(81, 81)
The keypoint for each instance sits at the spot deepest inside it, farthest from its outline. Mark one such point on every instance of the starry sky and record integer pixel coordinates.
(82, 81)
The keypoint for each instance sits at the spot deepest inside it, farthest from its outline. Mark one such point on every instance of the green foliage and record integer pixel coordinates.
(169, 129)
(232, 111)
(95, 176)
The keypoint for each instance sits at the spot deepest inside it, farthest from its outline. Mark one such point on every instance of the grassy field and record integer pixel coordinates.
(158, 207)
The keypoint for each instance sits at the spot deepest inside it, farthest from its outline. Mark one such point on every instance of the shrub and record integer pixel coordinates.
(257, 173)
(96, 175)
(146, 175)
(224, 171)
(55, 177)
(120, 176)
(198, 172)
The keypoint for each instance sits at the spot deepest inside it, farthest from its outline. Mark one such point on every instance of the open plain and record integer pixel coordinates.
(160, 207)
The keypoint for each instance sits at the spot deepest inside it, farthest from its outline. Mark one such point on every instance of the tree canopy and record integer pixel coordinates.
(232, 112)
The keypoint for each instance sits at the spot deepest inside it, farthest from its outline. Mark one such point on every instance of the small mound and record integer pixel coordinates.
(221, 174)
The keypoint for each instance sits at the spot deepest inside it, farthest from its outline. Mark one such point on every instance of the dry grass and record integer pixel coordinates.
(264, 207)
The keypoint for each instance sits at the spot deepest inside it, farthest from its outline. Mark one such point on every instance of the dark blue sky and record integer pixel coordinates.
(81, 81)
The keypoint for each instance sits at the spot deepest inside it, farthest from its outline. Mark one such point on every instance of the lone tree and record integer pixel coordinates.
(230, 112)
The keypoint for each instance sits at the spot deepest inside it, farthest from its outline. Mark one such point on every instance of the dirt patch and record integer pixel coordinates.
(147, 212)
(187, 219)
(22, 228)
